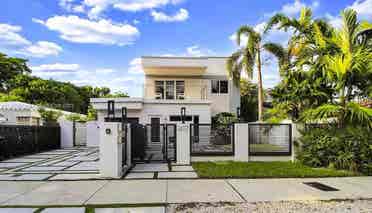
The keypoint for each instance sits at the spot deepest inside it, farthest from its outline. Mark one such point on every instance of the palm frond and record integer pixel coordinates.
(356, 113)
(325, 112)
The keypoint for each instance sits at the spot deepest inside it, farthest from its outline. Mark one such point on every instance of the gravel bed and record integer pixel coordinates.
(357, 206)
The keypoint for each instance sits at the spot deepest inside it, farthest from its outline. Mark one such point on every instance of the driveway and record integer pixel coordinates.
(78, 163)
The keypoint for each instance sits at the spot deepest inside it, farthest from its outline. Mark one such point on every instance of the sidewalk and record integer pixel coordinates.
(158, 192)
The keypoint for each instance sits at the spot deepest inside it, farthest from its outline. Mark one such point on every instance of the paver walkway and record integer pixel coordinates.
(60, 164)
(160, 192)
(161, 171)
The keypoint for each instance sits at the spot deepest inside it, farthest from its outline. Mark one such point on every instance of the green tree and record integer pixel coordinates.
(351, 60)
(248, 101)
(9, 68)
(245, 59)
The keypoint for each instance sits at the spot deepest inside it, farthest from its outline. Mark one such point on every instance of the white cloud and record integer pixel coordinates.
(42, 49)
(138, 5)
(335, 21)
(363, 8)
(57, 67)
(105, 71)
(95, 8)
(294, 8)
(13, 42)
(135, 66)
(9, 36)
(197, 51)
(79, 30)
(181, 15)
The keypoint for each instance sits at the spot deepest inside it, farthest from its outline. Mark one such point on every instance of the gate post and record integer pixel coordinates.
(183, 144)
(111, 150)
(241, 142)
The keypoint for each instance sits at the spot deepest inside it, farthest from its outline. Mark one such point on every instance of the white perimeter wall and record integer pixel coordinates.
(93, 135)
(67, 134)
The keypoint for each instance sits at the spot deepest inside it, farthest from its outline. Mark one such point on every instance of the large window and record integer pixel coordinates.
(220, 86)
(169, 89)
(159, 89)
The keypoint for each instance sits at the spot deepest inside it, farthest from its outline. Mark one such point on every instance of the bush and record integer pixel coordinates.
(49, 116)
(347, 148)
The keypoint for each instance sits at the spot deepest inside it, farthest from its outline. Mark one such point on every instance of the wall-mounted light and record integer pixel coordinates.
(183, 114)
(238, 113)
(111, 109)
(124, 114)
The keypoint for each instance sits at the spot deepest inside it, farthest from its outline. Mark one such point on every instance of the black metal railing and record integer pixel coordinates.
(270, 139)
(16, 140)
(209, 140)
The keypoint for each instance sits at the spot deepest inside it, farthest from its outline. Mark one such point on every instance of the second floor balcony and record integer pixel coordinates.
(184, 89)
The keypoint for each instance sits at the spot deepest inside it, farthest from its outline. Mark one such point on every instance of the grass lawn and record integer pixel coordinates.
(267, 148)
(230, 169)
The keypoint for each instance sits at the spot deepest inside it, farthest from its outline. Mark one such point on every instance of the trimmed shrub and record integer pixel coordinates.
(347, 148)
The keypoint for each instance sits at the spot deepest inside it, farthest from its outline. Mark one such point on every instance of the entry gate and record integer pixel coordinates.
(153, 142)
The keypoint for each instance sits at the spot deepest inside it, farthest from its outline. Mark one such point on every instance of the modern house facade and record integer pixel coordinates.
(200, 84)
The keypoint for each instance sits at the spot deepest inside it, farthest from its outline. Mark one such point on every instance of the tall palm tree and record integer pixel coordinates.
(245, 59)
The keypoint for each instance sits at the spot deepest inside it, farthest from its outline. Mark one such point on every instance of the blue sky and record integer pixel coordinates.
(99, 42)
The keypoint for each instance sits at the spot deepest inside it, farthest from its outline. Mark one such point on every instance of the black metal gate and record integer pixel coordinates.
(153, 142)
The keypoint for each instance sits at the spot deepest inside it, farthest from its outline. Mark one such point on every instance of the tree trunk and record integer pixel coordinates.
(260, 89)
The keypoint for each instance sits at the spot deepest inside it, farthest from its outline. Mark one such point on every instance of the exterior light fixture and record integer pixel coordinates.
(183, 114)
(124, 114)
(110, 109)
(238, 113)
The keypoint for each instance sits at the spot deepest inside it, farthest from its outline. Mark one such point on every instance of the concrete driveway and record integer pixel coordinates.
(76, 163)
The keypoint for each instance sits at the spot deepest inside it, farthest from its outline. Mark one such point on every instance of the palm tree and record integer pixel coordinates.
(352, 59)
(244, 60)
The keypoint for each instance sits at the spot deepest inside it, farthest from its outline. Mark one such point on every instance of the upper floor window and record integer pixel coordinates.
(170, 90)
(220, 86)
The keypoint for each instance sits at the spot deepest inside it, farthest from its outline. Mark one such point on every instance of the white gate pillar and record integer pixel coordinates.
(111, 150)
(241, 140)
(183, 144)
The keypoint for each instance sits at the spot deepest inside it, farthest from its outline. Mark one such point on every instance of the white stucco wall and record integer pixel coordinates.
(11, 115)
(67, 134)
(93, 137)
(163, 111)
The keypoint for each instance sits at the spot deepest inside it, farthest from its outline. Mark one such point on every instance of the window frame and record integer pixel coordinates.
(177, 85)
(219, 90)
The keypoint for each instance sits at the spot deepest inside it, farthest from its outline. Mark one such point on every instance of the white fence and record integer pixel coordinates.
(80, 134)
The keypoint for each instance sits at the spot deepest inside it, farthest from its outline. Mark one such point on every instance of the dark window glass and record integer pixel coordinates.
(175, 118)
(224, 87)
(180, 90)
(170, 90)
(155, 129)
(178, 118)
(215, 86)
(159, 89)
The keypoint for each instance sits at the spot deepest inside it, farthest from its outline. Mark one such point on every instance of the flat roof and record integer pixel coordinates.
(184, 57)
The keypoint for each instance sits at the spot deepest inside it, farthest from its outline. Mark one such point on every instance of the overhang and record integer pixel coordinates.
(194, 66)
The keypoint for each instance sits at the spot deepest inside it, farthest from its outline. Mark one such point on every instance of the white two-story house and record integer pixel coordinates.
(200, 84)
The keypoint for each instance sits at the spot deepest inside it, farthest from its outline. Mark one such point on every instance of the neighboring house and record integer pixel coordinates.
(200, 84)
(19, 113)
